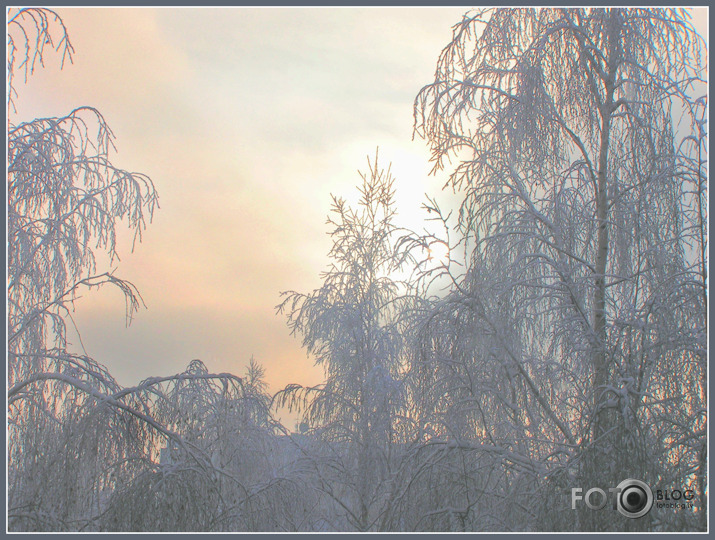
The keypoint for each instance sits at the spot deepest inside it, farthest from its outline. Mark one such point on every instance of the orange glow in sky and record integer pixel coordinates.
(246, 120)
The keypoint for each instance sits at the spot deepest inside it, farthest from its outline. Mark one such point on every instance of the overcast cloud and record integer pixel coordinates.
(246, 120)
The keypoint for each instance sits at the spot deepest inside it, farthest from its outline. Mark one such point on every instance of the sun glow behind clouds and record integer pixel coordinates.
(438, 253)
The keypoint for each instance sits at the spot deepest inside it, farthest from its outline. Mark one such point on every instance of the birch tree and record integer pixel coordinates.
(210, 459)
(64, 195)
(578, 135)
(76, 438)
(352, 326)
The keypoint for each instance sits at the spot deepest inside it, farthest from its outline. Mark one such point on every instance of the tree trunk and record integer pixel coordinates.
(600, 352)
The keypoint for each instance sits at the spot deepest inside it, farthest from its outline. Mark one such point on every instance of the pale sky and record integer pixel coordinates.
(246, 120)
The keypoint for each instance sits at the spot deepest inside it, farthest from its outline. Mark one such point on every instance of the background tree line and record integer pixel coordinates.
(561, 344)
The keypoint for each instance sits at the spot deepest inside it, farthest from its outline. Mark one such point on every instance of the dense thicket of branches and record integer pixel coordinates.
(568, 349)
(580, 136)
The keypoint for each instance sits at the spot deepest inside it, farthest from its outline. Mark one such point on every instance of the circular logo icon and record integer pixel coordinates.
(635, 498)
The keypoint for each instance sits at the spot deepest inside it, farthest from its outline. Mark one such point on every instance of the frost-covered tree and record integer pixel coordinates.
(580, 135)
(570, 352)
(211, 459)
(64, 196)
(352, 325)
(77, 441)
(65, 199)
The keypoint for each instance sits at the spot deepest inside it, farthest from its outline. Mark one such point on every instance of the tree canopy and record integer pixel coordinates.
(567, 347)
